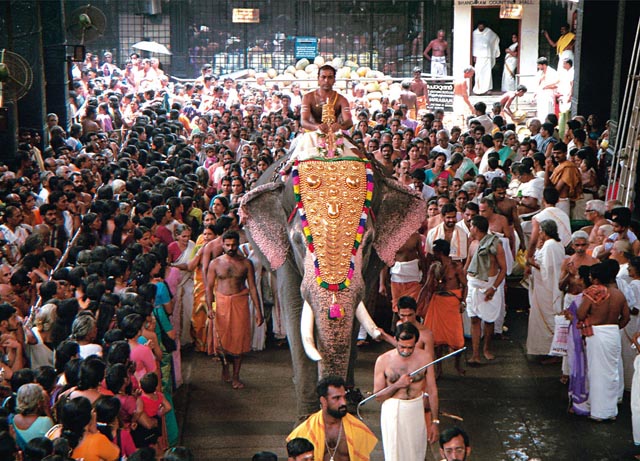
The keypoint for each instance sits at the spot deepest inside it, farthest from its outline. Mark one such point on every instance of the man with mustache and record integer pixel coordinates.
(402, 412)
(233, 274)
(335, 434)
(454, 445)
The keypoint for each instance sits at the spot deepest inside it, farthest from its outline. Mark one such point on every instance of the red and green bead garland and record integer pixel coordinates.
(335, 311)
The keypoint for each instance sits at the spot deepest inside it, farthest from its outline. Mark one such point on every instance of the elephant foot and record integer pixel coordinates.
(237, 384)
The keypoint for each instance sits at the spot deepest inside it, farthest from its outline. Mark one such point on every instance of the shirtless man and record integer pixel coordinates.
(402, 396)
(507, 207)
(594, 212)
(509, 97)
(439, 49)
(446, 290)
(420, 88)
(384, 157)
(605, 307)
(410, 99)
(312, 102)
(407, 274)
(570, 281)
(233, 274)
(498, 224)
(484, 297)
(461, 94)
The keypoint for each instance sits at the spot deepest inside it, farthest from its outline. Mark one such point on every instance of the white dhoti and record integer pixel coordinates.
(603, 356)
(508, 256)
(477, 306)
(564, 204)
(629, 354)
(484, 79)
(438, 66)
(404, 431)
(406, 271)
(635, 401)
(545, 297)
(545, 104)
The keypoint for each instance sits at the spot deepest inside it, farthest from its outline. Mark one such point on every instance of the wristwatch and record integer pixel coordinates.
(435, 421)
(463, 304)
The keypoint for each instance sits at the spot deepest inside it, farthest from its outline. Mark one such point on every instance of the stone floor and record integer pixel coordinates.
(513, 408)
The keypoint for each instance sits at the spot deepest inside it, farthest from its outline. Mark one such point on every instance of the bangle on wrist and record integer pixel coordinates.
(435, 421)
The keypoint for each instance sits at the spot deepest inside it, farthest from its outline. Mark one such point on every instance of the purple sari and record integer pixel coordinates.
(578, 386)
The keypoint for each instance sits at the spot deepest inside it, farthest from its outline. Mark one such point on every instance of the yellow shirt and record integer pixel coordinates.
(360, 440)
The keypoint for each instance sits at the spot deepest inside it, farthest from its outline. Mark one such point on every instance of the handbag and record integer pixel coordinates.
(168, 343)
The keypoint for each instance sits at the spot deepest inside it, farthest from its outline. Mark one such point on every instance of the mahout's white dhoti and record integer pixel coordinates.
(404, 430)
(603, 357)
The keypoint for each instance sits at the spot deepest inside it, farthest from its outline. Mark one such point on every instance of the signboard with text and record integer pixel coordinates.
(491, 2)
(246, 16)
(440, 95)
(306, 47)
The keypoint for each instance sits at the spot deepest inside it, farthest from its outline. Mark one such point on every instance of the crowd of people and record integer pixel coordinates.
(122, 246)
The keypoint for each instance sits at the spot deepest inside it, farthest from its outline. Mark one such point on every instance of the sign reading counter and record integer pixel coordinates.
(440, 95)
(246, 15)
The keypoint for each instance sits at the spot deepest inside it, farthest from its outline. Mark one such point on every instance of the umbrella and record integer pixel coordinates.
(152, 47)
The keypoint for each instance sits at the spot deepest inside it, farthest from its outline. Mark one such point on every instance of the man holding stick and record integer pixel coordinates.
(404, 430)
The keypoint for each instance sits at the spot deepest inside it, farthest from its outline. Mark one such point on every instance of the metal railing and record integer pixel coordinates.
(622, 174)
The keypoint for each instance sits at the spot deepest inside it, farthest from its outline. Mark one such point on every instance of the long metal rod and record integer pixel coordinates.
(412, 374)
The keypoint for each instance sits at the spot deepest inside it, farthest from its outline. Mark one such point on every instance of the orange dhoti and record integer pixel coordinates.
(445, 320)
(232, 323)
(405, 281)
(411, 289)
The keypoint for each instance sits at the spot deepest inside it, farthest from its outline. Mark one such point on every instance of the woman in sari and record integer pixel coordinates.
(181, 251)
(510, 65)
(199, 317)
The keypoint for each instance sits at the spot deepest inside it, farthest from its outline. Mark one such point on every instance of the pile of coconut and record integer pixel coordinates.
(348, 74)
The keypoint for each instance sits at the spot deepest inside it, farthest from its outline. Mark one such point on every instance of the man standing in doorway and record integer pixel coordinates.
(547, 84)
(564, 44)
(486, 48)
(439, 49)
(234, 273)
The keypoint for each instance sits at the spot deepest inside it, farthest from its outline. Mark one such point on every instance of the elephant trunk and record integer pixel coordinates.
(306, 330)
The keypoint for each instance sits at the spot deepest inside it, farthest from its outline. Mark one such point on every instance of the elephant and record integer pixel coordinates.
(321, 345)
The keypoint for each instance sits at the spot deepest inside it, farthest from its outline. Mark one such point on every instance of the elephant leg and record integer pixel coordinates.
(305, 371)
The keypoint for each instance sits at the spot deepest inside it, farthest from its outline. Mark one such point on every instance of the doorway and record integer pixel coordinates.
(505, 28)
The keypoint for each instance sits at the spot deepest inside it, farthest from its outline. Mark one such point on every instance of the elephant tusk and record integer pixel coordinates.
(306, 330)
(366, 321)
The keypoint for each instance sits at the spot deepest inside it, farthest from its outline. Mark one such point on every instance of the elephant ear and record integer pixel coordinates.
(266, 222)
(398, 213)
